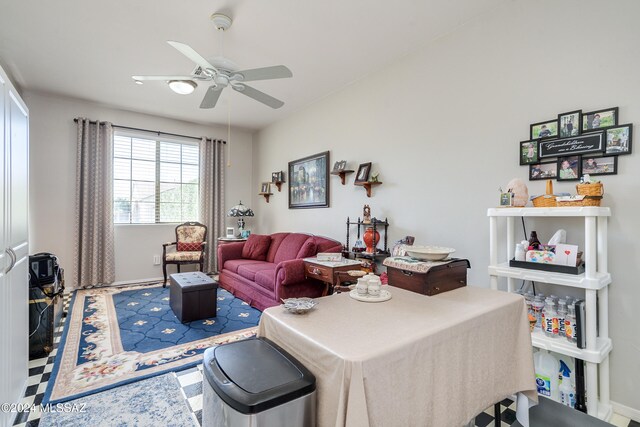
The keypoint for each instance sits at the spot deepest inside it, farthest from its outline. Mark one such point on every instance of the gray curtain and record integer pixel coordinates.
(94, 250)
(212, 170)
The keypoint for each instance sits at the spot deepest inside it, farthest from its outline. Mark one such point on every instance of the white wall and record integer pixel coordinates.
(442, 127)
(53, 171)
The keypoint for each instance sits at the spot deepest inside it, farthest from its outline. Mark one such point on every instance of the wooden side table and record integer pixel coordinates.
(327, 272)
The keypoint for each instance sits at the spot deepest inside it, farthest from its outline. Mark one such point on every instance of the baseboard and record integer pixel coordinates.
(626, 411)
(130, 282)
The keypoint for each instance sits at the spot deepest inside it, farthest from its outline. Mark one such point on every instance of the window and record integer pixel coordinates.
(154, 180)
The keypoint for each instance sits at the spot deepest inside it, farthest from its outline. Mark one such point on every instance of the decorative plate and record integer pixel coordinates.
(299, 305)
(385, 295)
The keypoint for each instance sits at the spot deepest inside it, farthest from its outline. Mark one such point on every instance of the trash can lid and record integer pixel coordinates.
(255, 374)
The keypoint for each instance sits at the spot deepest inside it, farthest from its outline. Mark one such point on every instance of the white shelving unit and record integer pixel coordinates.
(595, 281)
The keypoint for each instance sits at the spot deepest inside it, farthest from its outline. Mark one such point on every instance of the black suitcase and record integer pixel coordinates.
(46, 285)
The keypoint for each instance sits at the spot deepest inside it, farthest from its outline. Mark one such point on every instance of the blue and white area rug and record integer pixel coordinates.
(115, 336)
(154, 402)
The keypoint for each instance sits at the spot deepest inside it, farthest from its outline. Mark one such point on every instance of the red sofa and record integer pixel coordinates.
(267, 268)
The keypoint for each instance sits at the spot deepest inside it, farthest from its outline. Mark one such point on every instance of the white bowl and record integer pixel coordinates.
(429, 253)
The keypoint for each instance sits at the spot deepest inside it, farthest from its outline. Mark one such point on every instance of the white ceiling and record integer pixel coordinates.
(90, 49)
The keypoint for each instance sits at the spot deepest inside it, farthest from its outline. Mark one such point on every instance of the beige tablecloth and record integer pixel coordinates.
(410, 361)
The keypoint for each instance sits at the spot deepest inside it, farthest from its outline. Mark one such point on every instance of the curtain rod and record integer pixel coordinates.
(152, 131)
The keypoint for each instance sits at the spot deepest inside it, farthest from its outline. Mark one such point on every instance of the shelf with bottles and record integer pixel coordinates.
(563, 346)
(600, 281)
(595, 282)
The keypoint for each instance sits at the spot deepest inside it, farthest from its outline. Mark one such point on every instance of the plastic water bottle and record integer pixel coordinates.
(536, 306)
(528, 299)
(570, 324)
(549, 318)
(562, 313)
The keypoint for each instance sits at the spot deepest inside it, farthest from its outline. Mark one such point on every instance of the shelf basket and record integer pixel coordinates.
(545, 201)
(587, 201)
(595, 189)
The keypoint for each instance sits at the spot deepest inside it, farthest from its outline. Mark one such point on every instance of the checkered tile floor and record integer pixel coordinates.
(191, 385)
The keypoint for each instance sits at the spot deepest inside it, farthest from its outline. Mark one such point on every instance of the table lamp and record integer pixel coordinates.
(240, 211)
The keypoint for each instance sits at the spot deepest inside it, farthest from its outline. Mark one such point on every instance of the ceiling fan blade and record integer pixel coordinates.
(266, 73)
(211, 97)
(259, 96)
(166, 78)
(187, 51)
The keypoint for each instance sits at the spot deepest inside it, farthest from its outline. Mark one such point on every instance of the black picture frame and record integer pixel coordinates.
(281, 176)
(536, 128)
(339, 166)
(309, 182)
(575, 162)
(610, 118)
(525, 147)
(603, 165)
(363, 173)
(570, 124)
(274, 176)
(623, 146)
(581, 144)
(551, 167)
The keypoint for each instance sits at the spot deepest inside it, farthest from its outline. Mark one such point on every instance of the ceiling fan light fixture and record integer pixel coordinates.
(182, 87)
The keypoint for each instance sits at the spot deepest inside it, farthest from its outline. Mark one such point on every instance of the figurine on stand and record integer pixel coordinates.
(366, 215)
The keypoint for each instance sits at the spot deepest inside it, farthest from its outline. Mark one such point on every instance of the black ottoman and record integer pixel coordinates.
(193, 296)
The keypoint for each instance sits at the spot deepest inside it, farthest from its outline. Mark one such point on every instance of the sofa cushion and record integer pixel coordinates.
(248, 271)
(233, 264)
(267, 279)
(256, 247)
(308, 249)
(276, 241)
(290, 247)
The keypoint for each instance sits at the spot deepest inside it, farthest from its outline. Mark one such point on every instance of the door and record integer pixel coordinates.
(14, 247)
(17, 281)
(4, 263)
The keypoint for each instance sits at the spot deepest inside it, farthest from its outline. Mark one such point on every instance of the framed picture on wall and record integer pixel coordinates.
(548, 129)
(570, 124)
(619, 140)
(600, 165)
(600, 119)
(528, 152)
(309, 182)
(543, 170)
(569, 168)
(363, 172)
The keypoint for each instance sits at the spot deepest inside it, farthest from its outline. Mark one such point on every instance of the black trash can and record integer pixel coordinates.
(256, 383)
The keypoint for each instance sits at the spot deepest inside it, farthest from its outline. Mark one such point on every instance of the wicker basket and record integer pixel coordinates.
(547, 200)
(595, 189)
(587, 201)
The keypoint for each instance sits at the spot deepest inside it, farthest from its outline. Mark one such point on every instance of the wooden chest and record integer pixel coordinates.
(438, 279)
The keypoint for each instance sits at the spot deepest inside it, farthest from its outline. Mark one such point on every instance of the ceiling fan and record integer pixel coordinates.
(221, 73)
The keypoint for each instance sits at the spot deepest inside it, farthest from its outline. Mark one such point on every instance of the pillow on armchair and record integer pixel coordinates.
(256, 247)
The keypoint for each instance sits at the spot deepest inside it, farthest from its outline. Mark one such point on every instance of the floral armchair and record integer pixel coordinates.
(191, 242)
